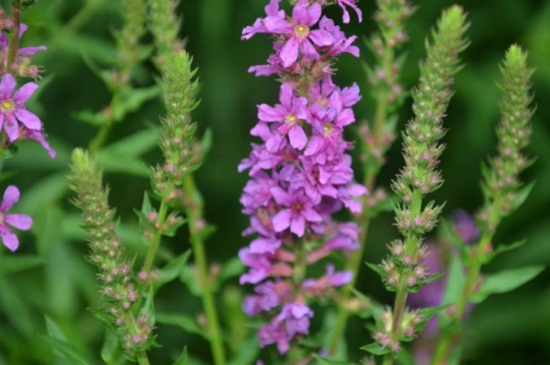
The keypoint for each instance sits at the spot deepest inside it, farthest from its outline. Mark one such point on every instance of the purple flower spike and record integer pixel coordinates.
(19, 221)
(300, 172)
(13, 110)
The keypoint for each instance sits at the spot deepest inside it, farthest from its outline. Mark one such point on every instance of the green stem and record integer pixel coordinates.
(355, 260)
(194, 209)
(154, 244)
(449, 333)
(13, 47)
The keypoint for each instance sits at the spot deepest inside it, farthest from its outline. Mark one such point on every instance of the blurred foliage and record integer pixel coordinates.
(507, 329)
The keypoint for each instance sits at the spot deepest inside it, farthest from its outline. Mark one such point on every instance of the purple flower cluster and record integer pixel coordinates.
(16, 122)
(300, 174)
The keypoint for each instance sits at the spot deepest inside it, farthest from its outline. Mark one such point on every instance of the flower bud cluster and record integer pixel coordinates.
(118, 287)
(130, 52)
(390, 17)
(502, 178)
(409, 327)
(181, 152)
(17, 122)
(300, 173)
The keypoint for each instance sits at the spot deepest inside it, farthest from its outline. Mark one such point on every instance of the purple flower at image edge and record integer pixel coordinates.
(13, 111)
(19, 221)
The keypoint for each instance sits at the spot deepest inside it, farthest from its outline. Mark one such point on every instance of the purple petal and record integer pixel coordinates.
(281, 196)
(31, 51)
(289, 53)
(6, 86)
(309, 50)
(268, 113)
(19, 221)
(276, 25)
(11, 127)
(10, 240)
(28, 119)
(285, 95)
(24, 92)
(297, 137)
(281, 220)
(298, 226)
(321, 37)
(11, 196)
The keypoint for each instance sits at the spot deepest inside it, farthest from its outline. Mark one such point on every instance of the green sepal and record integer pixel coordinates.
(183, 359)
(376, 349)
(505, 281)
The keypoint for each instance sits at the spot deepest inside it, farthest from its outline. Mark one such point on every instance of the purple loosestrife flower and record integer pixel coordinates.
(300, 173)
(12, 110)
(19, 221)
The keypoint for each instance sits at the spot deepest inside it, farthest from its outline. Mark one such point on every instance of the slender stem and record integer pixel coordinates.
(449, 333)
(194, 209)
(13, 47)
(154, 244)
(355, 260)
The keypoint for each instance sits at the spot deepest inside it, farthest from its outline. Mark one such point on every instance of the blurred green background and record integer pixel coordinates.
(508, 329)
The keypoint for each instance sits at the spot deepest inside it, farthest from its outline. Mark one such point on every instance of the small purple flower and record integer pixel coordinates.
(19, 221)
(288, 114)
(299, 211)
(12, 110)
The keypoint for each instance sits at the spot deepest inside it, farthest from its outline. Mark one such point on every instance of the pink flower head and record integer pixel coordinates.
(12, 110)
(19, 221)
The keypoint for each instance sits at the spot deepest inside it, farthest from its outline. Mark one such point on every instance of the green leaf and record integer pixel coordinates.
(377, 269)
(90, 117)
(502, 248)
(404, 357)
(506, 281)
(376, 349)
(132, 99)
(456, 279)
(329, 361)
(62, 349)
(110, 348)
(521, 196)
(246, 354)
(135, 144)
(172, 270)
(231, 269)
(189, 277)
(183, 359)
(12, 264)
(112, 162)
(187, 323)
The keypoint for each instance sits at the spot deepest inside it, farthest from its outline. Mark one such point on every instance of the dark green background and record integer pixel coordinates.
(508, 329)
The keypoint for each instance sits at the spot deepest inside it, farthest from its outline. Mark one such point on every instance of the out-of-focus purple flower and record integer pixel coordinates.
(19, 221)
(12, 110)
(465, 226)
